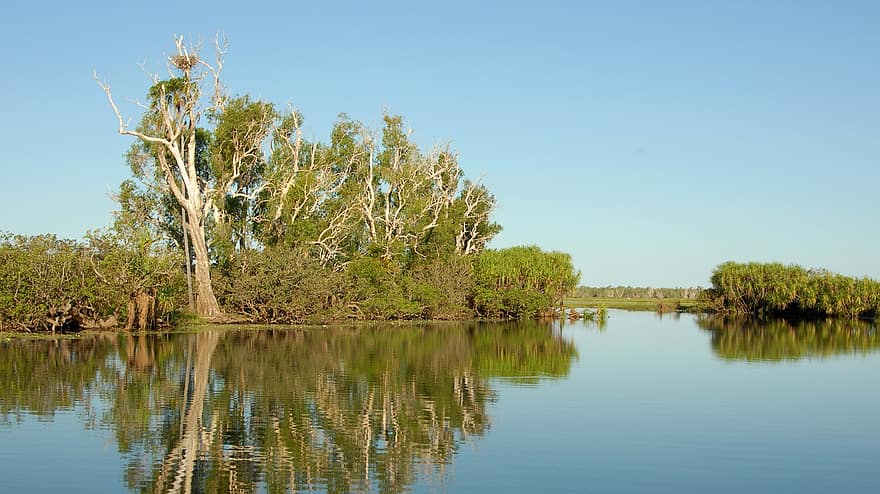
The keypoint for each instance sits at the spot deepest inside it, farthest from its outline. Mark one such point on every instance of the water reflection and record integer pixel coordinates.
(44, 377)
(780, 340)
(339, 410)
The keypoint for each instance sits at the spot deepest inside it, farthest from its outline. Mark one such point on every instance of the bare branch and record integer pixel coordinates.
(221, 46)
(122, 126)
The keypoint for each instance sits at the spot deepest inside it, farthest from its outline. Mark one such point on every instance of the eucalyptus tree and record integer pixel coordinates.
(359, 194)
(407, 195)
(308, 200)
(172, 117)
(474, 205)
(227, 174)
(405, 192)
(237, 164)
(217, 191)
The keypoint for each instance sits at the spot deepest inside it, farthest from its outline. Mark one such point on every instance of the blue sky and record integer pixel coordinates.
(651, 140)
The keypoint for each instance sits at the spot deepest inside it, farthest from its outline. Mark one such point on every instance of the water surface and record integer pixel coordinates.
(639, 404)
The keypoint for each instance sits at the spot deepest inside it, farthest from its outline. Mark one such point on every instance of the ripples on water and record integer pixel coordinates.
(638, 405)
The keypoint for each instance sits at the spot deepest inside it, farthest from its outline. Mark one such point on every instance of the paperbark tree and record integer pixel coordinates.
(476, 229)
(237, 168)
(172, 116)
(406, 194)
(306, 198)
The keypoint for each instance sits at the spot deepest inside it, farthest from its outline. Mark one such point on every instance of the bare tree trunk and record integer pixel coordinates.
(189, 284)
(142, 311)
(206, 302)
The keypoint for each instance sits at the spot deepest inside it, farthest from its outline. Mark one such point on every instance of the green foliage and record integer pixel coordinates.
(443, 286)
(773, 288)
(43, 277)
(278, 285)
(129, 260)
(237, 161)
(375, 290)
(304, 290)
(521, 281)
(171, 92)
(42, 274)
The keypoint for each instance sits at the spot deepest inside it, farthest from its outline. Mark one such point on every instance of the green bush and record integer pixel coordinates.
(50, 283)
(92, 282)
(443, 287)
(278, 285)
(40, 275)
(773, 288)
(375, 290)
(521, 281)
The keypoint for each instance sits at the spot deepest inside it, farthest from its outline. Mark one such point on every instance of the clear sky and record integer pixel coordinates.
(651, 140)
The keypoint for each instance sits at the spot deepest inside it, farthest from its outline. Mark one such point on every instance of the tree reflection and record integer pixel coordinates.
(777, 340)
(341, 410)
(45, 376)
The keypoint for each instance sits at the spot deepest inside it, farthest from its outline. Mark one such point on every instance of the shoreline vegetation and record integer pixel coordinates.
(48, 285)
(743, 290)
(232, 215)
(778, 290)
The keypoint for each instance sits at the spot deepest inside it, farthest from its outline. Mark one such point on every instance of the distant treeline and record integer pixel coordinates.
(636, 292)
(790, 290)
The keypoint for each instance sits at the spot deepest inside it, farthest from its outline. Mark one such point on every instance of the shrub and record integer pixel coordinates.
(278, 285)
(773, 288)
(521, 281)
(443, 287)
(48, 283)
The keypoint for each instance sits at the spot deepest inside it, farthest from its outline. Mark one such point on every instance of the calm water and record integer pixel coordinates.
(642, 404)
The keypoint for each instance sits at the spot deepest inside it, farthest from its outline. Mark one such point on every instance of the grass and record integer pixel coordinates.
(651, 304)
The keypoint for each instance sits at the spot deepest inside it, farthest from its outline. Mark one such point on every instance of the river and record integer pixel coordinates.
(639, 403)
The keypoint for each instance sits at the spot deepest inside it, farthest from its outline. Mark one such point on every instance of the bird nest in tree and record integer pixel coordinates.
(184, 62)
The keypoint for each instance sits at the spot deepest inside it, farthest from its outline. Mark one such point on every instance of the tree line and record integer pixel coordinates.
(635, 292)
(263, 222)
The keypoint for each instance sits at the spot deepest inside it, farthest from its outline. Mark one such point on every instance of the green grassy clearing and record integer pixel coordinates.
(652, 304)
